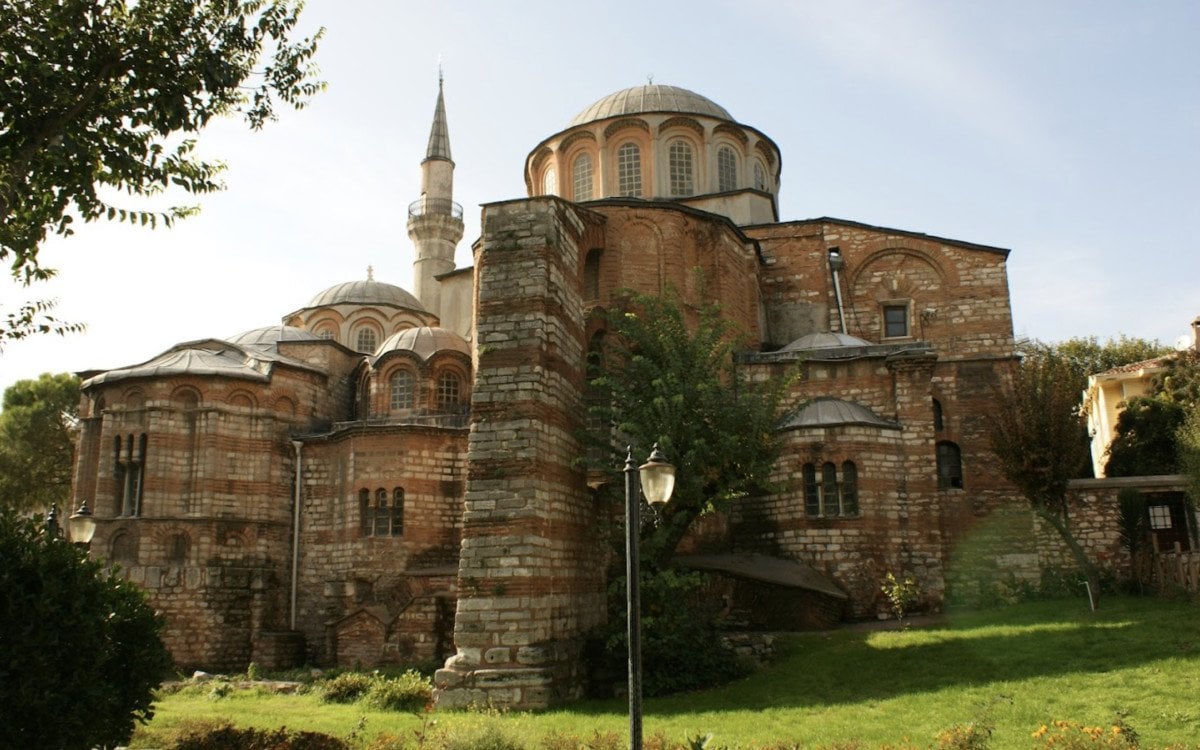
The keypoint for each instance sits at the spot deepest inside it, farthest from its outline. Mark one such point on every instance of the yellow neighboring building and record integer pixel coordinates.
(1105, 398)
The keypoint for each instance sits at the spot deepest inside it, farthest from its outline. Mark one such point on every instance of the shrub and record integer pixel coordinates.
(346, 687)
(681, 642)
(228, 737)
(408, 692)
(74, 635)
(1069, 735)
(902, 594)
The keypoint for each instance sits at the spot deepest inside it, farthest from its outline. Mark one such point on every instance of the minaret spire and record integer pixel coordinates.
(439, 134)
(435, 221)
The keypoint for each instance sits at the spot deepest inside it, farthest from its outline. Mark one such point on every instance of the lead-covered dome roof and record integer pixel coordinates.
(650, 98)
(268, 337)
(367, 292)
(424, 341)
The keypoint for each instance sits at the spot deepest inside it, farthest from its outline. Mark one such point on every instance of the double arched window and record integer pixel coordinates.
(381, 515)
(828, 494)
(629, 171)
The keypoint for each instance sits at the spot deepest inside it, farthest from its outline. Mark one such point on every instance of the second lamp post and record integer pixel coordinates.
(657, 483)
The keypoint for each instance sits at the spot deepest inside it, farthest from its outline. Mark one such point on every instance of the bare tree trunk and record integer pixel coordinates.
(1089, 570)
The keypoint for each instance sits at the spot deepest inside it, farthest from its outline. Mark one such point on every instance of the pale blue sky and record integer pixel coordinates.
(1068, 132)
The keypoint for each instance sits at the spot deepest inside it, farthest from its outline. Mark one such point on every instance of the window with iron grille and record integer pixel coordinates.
(629, 171)
(679, 158)
(581, 177)
(726, 169)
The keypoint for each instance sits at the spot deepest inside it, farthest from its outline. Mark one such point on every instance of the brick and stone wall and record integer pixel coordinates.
(531, 579)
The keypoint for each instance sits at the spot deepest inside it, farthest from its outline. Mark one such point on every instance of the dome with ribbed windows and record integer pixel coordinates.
(424, 341)
(369, 292)
(650, 98)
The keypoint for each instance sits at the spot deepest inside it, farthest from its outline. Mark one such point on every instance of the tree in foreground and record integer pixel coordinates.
(36, 448)
(102, 97)
(80, 652)
(1188, 448)
(662, 380)
(1034, 433)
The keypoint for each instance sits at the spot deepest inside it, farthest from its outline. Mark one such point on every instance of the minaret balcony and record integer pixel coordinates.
(435, 207)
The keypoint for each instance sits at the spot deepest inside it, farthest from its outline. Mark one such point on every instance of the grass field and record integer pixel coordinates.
(1015, 668)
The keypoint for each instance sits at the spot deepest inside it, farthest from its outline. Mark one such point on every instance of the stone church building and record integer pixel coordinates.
(389, 475)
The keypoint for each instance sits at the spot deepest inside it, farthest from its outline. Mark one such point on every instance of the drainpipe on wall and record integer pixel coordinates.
(296, 531)
(835, 264)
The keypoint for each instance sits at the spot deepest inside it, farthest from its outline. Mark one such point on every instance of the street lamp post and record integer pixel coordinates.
(657, 482)
(82, 525)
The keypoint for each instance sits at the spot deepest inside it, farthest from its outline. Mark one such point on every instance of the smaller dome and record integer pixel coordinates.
(268, 337)
(824, 340)
(424, 342)
(650, 98)
(367, 292)
(832, 412)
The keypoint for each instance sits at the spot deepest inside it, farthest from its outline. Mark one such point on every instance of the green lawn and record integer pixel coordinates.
(1017, 667)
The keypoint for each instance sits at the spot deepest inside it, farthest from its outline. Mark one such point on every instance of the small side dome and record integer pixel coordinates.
(833, 412)
(268, 337)
(367, 292)
(824, 340)
(424, 342)
(650, 98)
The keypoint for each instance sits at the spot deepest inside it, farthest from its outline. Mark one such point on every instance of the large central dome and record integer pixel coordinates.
(650, 98)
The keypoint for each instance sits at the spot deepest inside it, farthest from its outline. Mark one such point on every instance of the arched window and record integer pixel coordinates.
(550, 181)
(379, 516)
(366, 340)
(629, 171)
(591, 275)
(812, 492)
(448, 395)
(326, 332)
(581, 177)
(122, 550)
(939, 418)
(760, 176)
(366, 512)
(679, 159)
(830, 498)
(128, 474)
(177, 549)
(949, 466)
(726, 169)
(829, 495)
(402, 390)
(849, 489)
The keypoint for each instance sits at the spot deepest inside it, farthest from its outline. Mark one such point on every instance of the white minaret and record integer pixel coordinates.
(435, 221)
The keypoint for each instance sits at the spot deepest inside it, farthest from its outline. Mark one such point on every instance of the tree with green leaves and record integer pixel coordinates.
(667, 375)
(36, 446)
(1034, 431)
(1187, 440)
(1146, 441)
(662, 380)
(1086, 356)
(104, 97)
(80, 649)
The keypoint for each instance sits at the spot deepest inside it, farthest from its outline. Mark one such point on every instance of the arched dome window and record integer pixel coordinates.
(366, 340)
(629, 171)
(760, 176)
(550, 181)
(402, 390)
(581, 177)
(727, 168)
(680, 163)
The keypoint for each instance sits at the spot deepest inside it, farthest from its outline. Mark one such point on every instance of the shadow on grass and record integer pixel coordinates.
(1040, 640)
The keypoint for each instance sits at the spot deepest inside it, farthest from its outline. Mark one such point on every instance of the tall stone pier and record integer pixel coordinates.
(531, 574)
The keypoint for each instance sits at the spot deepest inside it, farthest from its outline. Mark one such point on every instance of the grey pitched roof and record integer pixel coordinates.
(832, 412)
(756, 567)
(650, 98)
(206, 357)
(439, 134)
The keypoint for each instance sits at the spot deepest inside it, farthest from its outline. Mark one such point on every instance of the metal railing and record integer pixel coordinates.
(435, 207)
